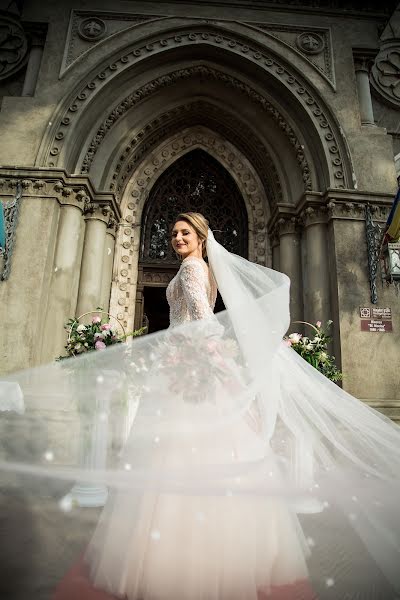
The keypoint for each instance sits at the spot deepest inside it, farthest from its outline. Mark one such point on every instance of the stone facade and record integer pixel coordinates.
(101, 101)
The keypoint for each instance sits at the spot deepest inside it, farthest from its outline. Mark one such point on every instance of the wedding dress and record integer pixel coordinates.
(194, 546)
(246, 474)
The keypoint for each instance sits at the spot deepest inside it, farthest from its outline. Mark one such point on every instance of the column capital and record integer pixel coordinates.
(314, 215)
(98, 212)
(287, 224)
(364, 59)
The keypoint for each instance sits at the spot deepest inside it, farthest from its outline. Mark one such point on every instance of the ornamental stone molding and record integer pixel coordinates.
(314, 44)
(72, 190)
(137, 192)
(334, 145)
(210, 74)
(317, 208)
(157, 278)
(185, 116)
(13, 45)
(89, 28)
(385, 74)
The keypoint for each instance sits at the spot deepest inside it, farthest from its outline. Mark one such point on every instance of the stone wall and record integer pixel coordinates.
(278, 94)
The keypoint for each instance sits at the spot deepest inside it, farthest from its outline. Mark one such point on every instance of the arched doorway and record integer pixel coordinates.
(196, 182)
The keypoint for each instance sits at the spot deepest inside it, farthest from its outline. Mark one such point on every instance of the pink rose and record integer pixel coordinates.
(96, 320)
(106, 327)
(318, 324)
(99, 345)
(288, 342)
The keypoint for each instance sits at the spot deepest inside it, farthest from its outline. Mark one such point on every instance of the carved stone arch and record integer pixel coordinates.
(132, 149)
(247, 53)
(126, 259)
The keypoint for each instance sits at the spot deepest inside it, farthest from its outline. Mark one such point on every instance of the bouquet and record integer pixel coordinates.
(314, 350)
(96, 335)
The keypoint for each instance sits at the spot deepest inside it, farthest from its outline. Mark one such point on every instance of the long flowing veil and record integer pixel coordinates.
(163, 415)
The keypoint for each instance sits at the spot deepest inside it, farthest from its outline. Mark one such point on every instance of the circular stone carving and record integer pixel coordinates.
(92, 29)
(310, 42)
(386, 75)
(13, 46)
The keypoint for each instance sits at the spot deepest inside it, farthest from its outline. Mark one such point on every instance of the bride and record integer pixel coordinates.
(212, 546)
(247, 475)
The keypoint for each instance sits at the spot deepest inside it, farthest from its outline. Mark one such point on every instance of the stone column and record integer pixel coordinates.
(108, 264)
(32, 70)
(317, 301)
(64, 281)
(362, 66)
(89, 296)
(290, 263)
(275, 251)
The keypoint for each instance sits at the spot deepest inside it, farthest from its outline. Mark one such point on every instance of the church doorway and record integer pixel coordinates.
(194, 182)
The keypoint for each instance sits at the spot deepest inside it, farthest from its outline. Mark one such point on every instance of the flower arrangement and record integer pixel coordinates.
(314, 350)
(96, 335)
(210, 361)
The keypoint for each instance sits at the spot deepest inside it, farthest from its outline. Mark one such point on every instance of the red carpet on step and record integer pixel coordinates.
(76, 586)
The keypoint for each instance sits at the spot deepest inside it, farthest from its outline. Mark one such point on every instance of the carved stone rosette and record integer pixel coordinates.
(13, 45)
(385, 74)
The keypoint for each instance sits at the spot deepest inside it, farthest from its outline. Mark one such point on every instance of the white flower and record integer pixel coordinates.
(309, 347)
(295, 337)
(98, 336)
(323, 356)
(81, 327)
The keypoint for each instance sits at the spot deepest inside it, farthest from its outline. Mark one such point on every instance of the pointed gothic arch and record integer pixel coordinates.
(198, 182)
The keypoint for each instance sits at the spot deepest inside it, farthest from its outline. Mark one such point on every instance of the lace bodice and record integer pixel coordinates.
(192, 293)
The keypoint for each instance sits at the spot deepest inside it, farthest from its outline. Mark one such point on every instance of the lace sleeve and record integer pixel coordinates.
(193, 282)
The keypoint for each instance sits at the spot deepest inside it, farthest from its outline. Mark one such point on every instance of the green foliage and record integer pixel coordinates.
(94, 336)
(314, 350)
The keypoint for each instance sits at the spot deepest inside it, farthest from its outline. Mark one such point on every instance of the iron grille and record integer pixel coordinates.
(196, 182)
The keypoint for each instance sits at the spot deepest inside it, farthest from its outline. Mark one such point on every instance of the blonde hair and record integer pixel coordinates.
(199, 224)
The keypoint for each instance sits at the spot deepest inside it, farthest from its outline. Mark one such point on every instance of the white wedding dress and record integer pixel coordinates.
(165, 546)
(246, 474)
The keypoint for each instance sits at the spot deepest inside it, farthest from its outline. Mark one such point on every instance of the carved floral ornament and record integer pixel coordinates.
(13, 46)
(310, 42)
(386, 74)
(92, 29)
(253, 53)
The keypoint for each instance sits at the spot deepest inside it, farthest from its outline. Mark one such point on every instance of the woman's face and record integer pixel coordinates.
(185, 240)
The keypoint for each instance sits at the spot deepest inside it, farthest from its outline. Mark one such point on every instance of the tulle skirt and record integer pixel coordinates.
(165, 546)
